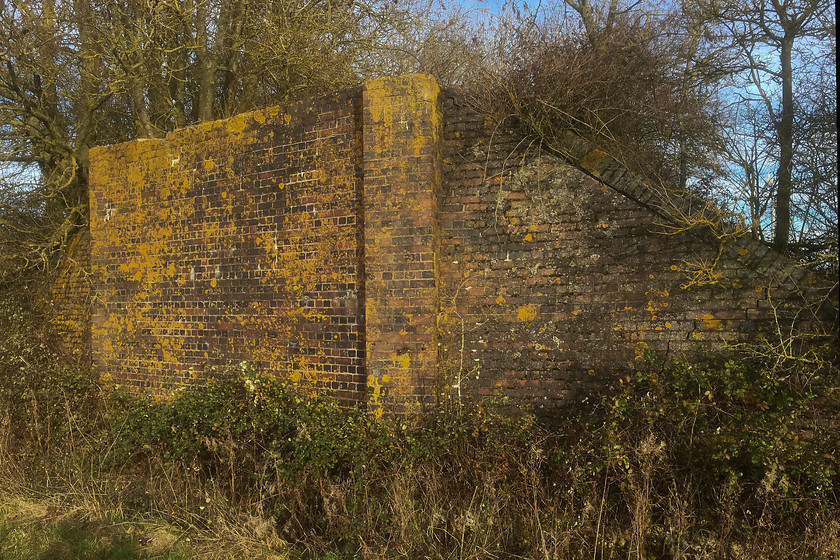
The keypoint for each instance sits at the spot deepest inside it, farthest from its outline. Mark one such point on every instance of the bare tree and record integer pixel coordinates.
(767, 35)
(76, 73)
(750, 166)
(49, 107)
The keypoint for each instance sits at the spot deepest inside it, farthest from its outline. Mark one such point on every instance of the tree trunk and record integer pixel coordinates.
(206, 64)
(785, 131)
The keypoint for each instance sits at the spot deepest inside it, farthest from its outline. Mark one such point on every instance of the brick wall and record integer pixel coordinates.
(235, 240)
(401, 174)
(71, 299)
(553, 279)
(384, 246)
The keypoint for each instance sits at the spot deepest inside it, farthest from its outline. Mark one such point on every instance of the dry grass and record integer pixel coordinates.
(468, 485)
(27, 518)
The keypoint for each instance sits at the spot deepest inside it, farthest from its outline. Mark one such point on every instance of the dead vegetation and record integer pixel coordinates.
(731, 458)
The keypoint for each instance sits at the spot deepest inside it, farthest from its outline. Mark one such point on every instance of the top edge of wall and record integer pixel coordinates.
(292, 109)
(418, 81)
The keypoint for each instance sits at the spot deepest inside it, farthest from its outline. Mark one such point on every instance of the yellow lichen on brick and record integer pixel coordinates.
(527, 312)
(655, 305)
(709, 322)
(403, 361)
(592, 160)
(375, 395)
(402, 128)
(137, 219)
(640, 350)
(238, 123)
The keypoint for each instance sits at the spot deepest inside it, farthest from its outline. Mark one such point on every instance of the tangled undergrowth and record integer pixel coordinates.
(730, 458)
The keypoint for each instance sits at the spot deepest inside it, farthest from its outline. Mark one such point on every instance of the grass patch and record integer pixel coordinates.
(32, 530)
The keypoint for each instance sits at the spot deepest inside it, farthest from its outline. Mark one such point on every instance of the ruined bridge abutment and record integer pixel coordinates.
(385, 246)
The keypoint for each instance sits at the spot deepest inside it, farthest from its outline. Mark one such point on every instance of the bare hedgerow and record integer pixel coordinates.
(625, 89)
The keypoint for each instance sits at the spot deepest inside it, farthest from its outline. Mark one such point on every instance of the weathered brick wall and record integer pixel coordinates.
(385, 246)
(233, 240)
(552, 280)
(401, 173)
(71, 299)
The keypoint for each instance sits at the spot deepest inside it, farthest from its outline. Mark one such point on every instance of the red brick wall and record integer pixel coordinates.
(401, 174)
(552, 280)
(232, 241)
(71, 299)
(385, 246)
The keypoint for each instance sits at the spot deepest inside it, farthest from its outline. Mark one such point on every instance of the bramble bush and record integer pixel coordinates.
(41, 398)
(262, 440)
(723, 425)
(740, 418)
